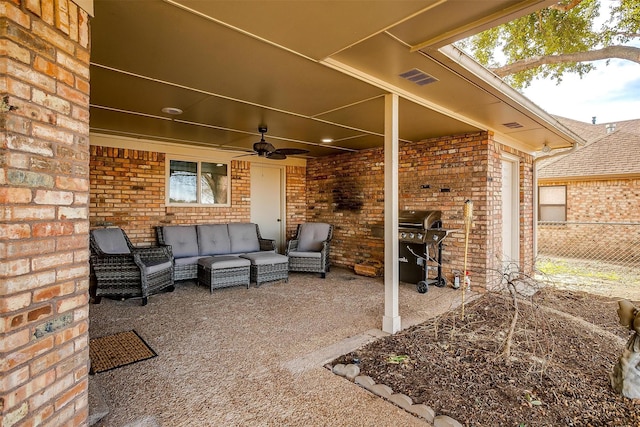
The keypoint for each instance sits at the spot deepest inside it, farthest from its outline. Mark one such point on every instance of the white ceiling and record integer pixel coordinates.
(307, 69)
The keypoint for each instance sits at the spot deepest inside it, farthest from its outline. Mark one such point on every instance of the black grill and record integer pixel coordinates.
(420, 234)
(413, 225)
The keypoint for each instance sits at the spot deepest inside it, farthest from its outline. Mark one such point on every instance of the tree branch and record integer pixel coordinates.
(629, 53)
(626, 34)
(565, 7)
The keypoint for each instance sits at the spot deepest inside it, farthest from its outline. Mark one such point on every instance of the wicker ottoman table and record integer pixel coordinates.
(268, 266)
(222, 271)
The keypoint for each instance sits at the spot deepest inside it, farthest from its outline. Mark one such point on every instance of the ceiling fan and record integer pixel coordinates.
(265, 149)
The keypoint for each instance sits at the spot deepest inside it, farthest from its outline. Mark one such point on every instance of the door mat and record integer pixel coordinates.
(121, 349)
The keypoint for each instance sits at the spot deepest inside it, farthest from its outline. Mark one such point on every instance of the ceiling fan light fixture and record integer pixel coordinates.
(263, 147)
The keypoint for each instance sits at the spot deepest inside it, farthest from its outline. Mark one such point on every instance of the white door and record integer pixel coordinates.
(510, 217)
(267, 203)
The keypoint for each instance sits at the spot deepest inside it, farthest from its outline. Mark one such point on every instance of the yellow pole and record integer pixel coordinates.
(468, 219)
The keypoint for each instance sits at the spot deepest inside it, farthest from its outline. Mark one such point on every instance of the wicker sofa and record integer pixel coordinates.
(218, 254)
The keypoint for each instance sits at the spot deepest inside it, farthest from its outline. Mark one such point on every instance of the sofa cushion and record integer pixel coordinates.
(213, 239)
(244, 237)
(223, 261)
(111, 240)
(183, 240)
(266, 258)
(312, 235)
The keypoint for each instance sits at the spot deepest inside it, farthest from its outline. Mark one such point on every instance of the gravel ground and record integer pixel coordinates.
(254, 357)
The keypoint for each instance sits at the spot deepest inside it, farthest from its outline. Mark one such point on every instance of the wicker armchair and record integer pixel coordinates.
(122, 270)
(309, 251)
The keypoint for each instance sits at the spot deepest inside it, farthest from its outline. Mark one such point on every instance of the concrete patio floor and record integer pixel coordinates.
(254, 357)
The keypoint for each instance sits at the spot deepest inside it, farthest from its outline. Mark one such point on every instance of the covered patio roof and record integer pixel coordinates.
(309, 70)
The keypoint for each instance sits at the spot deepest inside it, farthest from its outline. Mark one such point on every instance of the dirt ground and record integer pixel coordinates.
(556, 374)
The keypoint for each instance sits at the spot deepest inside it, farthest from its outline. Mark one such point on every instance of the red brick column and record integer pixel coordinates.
(44, 191)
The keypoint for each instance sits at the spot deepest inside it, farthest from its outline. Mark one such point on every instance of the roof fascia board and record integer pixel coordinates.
(585, 178)
(494, 85)
(493, 20)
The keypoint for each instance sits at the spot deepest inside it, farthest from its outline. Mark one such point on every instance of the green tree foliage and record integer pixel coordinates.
(563, 38)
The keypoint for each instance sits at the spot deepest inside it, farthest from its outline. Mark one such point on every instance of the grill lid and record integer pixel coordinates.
(419, 219)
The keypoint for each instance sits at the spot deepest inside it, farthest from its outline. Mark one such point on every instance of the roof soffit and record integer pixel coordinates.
(233, 65)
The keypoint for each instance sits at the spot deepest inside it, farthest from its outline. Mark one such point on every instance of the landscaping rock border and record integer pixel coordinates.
(352, 373)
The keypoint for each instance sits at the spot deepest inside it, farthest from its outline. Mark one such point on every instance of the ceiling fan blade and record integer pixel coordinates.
(291, 151)
(276, 155)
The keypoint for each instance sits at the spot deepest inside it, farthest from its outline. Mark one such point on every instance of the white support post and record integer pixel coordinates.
(391, 320)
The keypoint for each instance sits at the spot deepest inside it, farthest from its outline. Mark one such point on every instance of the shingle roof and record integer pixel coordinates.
(590, 132)
(613, 153)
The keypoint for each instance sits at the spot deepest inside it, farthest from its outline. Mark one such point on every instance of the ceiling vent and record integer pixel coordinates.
(418, 77)
(512, 125)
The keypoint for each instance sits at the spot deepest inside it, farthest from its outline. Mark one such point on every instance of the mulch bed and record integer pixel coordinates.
(557, 373)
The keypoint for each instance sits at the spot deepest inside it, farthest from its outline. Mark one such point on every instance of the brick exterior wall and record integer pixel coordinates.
(296, 206)
(348, 191)
(128, 191)
(614, 200)
(44, 191)
(596, 201)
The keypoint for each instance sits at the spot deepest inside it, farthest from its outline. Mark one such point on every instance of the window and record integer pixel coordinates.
(199, 183)
(552, 202)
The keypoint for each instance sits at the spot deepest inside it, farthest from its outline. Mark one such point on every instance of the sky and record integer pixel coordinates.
(611, 93)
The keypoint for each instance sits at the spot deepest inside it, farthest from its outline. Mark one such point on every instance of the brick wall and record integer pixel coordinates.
(595, 201)
(437, 174)
(128, 191)
(296, 177)
(614, 200)
(44, 191)
(527, 209)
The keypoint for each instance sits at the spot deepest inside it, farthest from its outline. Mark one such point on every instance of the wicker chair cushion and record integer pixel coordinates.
(244, 238)
(298, 254)
(151, 267)
(312, 235)
(183, 240)
(223, 261)
(265, 258)
(213, 239)
(111, 241)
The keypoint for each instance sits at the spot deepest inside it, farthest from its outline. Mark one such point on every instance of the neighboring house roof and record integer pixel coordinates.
(607, 153)
(591, 132)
